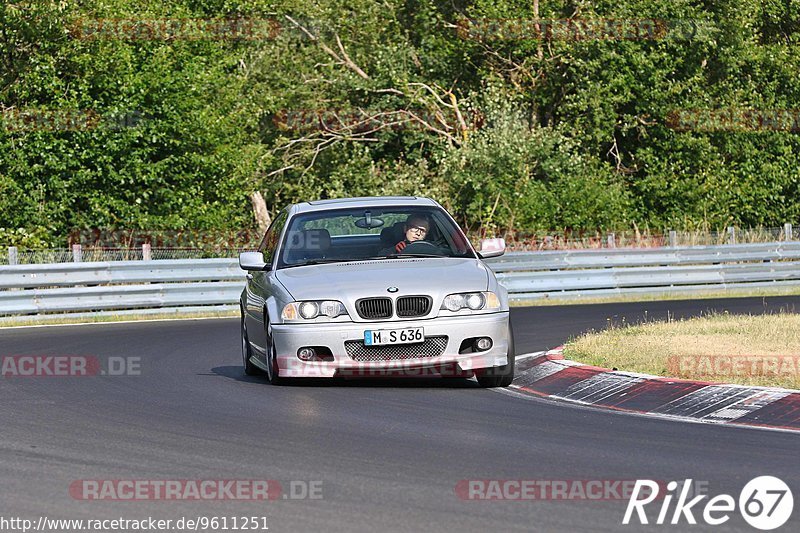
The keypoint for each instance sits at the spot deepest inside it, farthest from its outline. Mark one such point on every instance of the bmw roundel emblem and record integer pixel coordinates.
(392, 289)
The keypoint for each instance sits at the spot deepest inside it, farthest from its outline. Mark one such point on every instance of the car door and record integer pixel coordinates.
(259, 285)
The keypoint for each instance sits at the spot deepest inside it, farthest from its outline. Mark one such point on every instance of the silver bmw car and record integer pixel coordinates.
(384, 286)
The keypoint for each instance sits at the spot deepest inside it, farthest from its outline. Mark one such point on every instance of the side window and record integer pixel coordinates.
(270, 241)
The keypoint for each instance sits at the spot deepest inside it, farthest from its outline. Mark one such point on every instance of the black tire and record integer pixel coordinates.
(500, 376)
(272, 361)
(249, 368)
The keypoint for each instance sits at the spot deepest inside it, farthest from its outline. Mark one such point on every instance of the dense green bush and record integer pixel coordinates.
(508, 133)
(520, 176)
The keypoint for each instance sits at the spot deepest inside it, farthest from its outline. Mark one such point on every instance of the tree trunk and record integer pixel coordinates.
(260, 211)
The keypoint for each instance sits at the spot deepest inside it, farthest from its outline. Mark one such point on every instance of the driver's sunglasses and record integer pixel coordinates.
(418, 229)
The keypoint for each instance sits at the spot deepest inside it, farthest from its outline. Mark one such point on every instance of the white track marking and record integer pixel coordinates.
(553, 400)
(754, 402)
(529, 355)
(599, 387)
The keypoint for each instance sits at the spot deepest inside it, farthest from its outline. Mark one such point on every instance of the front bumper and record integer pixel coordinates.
(289, 338)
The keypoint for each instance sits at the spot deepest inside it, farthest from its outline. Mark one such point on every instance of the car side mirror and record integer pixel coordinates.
(252, 261)
(492, 248)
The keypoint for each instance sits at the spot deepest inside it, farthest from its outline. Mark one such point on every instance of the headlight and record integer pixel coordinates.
(312, 309)
(309, 310)
(453, 302)
(471, 300)
(475, 301)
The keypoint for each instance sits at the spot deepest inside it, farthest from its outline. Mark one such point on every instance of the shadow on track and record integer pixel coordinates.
(235, 372)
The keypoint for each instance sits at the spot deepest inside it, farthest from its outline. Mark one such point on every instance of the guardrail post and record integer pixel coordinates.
(787, 232)
(731, 235)
(146, 255)
(13, 259)
(612, 240)
(673, 238)
(77, 255)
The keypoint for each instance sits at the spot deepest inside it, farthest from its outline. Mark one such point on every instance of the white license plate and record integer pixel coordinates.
(380, 337)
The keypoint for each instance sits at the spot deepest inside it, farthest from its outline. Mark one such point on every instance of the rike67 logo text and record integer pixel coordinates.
(765, 503)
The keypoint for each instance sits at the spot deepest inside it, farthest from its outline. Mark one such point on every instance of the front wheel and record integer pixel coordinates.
(249, 368)
(272, 362)
(500, 376)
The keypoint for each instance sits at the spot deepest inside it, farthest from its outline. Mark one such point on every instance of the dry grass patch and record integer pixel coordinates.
(751, 350)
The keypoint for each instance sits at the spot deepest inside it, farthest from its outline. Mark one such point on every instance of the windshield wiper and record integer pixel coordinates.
(398, 256)
(355, 260)
(401, 256)
(319, 262)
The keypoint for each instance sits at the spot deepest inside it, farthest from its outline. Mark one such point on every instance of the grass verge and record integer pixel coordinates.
(750, 350)
(95, 319)
(694, 295)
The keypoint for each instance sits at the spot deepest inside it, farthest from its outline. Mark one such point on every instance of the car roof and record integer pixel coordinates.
(364, 201)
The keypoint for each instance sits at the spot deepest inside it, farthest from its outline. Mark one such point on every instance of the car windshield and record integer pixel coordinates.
(359, 234)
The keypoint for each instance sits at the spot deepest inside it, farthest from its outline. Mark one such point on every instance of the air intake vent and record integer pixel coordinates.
(411, 306)
(431, 347)
(371, 308)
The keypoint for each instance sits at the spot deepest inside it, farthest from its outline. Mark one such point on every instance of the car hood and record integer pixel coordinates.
(348, 282)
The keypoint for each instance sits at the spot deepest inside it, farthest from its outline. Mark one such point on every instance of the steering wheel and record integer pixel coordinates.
(422, 247)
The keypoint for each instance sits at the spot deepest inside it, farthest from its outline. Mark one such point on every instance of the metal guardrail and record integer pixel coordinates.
(622, 257)
(195, 283)
(213, 284)
(117, 272)
(587, 273)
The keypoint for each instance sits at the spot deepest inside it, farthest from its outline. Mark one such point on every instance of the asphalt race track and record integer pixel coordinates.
(387, 454)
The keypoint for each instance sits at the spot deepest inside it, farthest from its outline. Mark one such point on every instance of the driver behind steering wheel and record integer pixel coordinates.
(416, 228)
